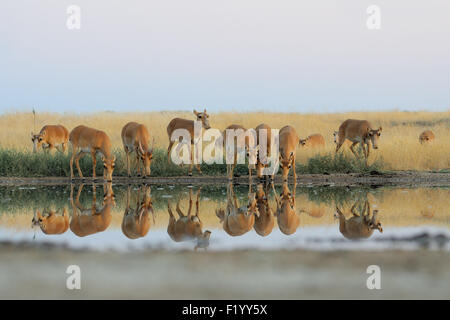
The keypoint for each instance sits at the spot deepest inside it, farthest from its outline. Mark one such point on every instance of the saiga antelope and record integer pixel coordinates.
(358, 131)
(135, 138)
(88, 140)
(136, 222)
(265, 221)
(315, 141)
(287, 217)
(289, 141)
(426, 137)
(259, 164)
(187, 227)
(51, 137)
(51, 223)
(179, 123)
(238, 220)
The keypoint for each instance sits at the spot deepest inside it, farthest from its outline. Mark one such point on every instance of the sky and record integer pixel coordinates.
(224, 55)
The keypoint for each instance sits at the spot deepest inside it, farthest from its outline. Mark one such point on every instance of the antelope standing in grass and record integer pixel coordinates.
(51, 223)
(136, 222)
(426, 137)
(187, 227)
(359, 226)
(289, 141)
(178, 123)
(238, 220)
(87, 221)
(259, 164)
(88, 140)
(358, 131)
(240, 136)
(265, 221)
(51, 137)
(314, 141)
(287, 217)
(135, 138)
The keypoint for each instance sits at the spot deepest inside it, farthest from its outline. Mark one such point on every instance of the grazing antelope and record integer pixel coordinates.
(359, 226)
(87, 221)
(187, 227)
(289, 141)
(51, 223)
(315, 141)
(426, 137)
(287, 217)
(136, 222)
(88, 140)
(265, 221)
(178, 123)
(135, 137)
(248, 139)
(51, 137)
(238, 220)
(259, 165)
(358, 131)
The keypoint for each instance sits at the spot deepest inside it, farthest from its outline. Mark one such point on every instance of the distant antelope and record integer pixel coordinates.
(87, 221)
(88, 140)
(426, 137)
(135, 138)
(289, 141)
(188, 227)
(358, 131)
(259, 165)
(359, 226)
(238, 220)
(178, 123)
(265, 221)
(51, 137)
(136, 222)
(51, 223)
(287, 217)
(315, 141)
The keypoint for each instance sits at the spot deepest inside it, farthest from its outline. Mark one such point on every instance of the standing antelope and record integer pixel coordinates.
(51, 137)
(135, 137)
(189, 226)
(52, 223)
(238, 220)
(359, 226)
(315, 141)
(287, 217)
(136, 222)
(265, 222)
(259, 164)
(87, 221)
(358, 131)
(289, 141)
(426, 137)
(178, 123)
(88, 140)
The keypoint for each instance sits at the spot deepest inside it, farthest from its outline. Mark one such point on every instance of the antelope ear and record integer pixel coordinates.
(204, 111)
(291, 156)
(195, 112)
(380, 129)
(114, 158)
(103, 158)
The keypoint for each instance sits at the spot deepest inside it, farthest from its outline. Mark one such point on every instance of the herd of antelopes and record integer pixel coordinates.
(136, 138)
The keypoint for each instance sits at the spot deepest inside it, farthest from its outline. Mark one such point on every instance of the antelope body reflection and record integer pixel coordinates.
(51, 223)
(265, 221)
(136, 222)
(287, 217)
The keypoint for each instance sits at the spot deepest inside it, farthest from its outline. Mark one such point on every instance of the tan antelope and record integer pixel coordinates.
(88, 140)
(51, 223)
(289, 141)
(336, 136)
(136, 222)
(240, 136)
(259, 164)
(51, 137)
(287, 217)
(265, 221)
(426, 137)
(314, 141)
(238, 220)
(187, 227)
(179, 123)
(358, 131)
(359, 226)
(87, 221)
(135, 138)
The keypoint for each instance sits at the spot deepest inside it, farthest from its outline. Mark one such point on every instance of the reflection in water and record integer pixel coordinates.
(188, 227)
(265, 220)
(361, 225)
(287, 217)
(136, 222)
(50, 222)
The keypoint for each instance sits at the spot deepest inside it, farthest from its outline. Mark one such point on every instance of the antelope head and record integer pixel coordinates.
(108, 167)
(38, 140)
(146, 156)
(373, 135)
(286, 165)
(203, 117)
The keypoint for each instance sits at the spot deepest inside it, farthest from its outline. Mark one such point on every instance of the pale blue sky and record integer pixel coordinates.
(242, 55)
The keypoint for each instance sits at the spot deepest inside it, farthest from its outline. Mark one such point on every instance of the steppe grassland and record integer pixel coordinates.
(398, 147)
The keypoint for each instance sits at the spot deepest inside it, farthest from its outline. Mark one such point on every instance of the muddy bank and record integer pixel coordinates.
(32, 272)
(399, 178)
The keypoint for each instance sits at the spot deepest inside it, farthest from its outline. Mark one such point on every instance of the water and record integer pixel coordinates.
(316, 218)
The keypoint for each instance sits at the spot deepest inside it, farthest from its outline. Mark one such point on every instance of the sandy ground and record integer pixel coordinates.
(40, 272)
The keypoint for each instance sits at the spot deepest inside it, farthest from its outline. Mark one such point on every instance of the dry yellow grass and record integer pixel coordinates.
(399, 144)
